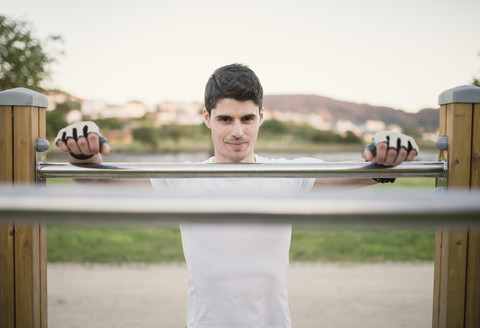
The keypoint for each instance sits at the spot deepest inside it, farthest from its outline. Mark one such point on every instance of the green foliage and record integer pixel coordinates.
(172, 131)
(146, 135)
(110, 123)
(153, 136)
(409, 132)
(304, 133)
(274, 127)
(55, 122)
(475, 80)
(325, 137)
(68, 106)
(350, 137)
(24, 59)
(177, 132)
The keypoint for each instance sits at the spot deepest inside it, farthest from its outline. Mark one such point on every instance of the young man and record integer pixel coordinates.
(237, 272)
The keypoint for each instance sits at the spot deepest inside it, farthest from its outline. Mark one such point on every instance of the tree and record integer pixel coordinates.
(109, 123)
(146, 135)
(350, 137)
(171, 131)
(476, 81)
(273, 127)
(55, 122)
(24, 59)
(67, 106)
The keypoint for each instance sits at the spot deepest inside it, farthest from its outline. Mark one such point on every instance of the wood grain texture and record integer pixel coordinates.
(7, 277)
(25, 131)
(6, 145)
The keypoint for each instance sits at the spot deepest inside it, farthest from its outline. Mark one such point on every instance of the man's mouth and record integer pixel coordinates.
(236, 144)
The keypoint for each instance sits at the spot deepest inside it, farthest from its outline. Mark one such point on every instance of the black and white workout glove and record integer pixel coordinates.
(80, 129)
(394, 140)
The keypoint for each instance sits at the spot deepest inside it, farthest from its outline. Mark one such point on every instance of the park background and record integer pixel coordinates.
(334, 72)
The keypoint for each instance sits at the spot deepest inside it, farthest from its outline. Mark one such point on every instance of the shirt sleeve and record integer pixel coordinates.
(302, 185)
(307, 184)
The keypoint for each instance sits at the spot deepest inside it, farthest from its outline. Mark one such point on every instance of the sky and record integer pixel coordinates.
(400, 54)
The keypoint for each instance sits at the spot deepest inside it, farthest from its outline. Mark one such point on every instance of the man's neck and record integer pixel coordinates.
(222, 160)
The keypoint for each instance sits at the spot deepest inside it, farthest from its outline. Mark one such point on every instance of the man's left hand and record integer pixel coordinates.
(391, 148)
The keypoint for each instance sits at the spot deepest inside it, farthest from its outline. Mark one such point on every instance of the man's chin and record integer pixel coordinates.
(238, 157)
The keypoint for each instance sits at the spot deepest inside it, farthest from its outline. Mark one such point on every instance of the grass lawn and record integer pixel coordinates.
(118, 244)
(95, 244)
(113, 244)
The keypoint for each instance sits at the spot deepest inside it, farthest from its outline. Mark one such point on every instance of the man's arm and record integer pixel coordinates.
(81, 141)
(388, 148)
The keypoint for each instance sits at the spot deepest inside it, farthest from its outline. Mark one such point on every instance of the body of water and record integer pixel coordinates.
(201, 156)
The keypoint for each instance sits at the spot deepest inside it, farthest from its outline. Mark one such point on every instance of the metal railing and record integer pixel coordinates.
(330, 206)
(196, 170)
(94, 204)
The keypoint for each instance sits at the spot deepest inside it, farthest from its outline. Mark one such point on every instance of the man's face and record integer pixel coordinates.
(234, 125)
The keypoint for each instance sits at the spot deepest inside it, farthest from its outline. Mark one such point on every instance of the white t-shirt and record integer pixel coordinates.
(237, 272)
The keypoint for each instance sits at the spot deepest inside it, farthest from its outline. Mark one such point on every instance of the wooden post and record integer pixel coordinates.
(23, 255)
(456, 300)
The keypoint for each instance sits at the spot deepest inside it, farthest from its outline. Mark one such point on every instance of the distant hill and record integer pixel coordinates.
(334, 110)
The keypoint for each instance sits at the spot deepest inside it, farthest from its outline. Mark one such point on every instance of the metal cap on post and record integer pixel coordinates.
(23, 97)
(464, 94)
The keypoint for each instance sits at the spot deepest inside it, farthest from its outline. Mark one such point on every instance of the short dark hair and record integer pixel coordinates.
(235, 81)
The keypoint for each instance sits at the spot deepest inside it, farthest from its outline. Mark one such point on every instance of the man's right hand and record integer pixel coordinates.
(82, 140)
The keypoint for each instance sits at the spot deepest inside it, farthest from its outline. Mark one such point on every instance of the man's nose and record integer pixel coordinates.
(237, 130)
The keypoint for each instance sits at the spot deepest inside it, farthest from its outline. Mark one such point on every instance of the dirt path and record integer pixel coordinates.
(321, 295)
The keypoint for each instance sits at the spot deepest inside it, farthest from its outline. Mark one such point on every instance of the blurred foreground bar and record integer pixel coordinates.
(124, 204)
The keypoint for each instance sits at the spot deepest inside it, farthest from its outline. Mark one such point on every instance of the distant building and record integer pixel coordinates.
(100, 109)
(318, 122)
(113, 111)
(123, 136)
(288, 116)
(395, 127)
(374, 125)
(54, 99)
(73, 116)
(431, 136)
(179, 113)
(342, 126)
(93, 108)
(59, 97)
(134, 109)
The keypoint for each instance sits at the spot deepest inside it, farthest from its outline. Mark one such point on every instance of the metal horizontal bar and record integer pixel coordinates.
(331, 207)
(197, 170)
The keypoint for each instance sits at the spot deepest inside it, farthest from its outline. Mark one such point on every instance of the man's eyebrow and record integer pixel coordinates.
(223, 117)
(228, 117)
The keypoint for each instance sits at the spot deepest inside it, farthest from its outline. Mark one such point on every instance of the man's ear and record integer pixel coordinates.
(261, 116)
(206, 118)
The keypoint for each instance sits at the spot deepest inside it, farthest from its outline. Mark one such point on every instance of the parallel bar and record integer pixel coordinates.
(202, 170)
(332, 207)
